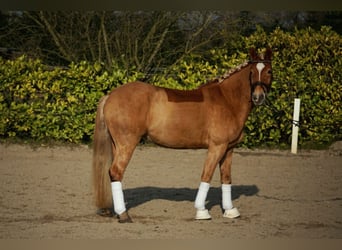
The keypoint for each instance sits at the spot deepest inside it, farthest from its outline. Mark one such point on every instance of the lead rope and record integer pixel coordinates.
(278, 113)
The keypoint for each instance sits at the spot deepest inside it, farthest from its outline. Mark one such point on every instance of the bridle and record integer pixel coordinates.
(263, 85)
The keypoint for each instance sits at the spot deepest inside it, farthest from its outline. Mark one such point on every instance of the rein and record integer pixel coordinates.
(278, 113)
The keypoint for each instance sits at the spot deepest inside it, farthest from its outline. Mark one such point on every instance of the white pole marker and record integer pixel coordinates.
(295, 126)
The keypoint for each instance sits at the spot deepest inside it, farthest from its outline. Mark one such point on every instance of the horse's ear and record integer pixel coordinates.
(253, 54)
(268, 54)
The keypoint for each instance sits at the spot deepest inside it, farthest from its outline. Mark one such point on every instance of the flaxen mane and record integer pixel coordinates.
(233, 71)
(225, 75)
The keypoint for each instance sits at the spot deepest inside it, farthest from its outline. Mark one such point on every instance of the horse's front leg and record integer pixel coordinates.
(226, 180)
(215, 154)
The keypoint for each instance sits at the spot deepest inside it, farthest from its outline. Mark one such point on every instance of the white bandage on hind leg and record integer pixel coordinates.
(118, 197)
(227, 196)
(202, 195)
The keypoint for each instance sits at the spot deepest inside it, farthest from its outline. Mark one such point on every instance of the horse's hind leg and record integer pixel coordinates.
(122, 156)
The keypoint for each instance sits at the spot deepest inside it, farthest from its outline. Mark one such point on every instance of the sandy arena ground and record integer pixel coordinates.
(46, 193)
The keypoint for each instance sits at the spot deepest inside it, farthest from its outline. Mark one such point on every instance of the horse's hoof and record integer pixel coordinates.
(105, 212)
(203, 215)
(125, 218)
(231, 213)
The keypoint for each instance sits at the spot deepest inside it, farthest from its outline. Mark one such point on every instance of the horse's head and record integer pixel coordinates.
(260, 75)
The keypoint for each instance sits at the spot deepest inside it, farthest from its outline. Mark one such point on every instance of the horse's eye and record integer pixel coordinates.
(269, 71)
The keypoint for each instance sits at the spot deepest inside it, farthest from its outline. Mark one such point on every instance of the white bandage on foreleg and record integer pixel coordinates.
(202, 195)
(118, 197)
(227, 196)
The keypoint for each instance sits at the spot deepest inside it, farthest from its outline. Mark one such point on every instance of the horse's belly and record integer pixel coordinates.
(181, 140)
(179, 131)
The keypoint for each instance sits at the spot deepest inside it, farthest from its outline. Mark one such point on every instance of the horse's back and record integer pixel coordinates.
(133, 89)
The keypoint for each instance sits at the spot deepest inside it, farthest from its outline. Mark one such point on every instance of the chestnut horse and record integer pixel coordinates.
(211, 117)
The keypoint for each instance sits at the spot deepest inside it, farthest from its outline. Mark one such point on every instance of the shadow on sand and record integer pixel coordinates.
(138, 196)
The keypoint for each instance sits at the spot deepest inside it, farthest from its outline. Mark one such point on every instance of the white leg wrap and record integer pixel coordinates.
(227, 196)
(202, 195)
(202, 213)
(118, 197)
(229, 211)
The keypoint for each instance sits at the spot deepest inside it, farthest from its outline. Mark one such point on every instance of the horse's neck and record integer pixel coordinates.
(237, 90)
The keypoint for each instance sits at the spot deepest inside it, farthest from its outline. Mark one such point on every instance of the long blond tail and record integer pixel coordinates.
(102, 159)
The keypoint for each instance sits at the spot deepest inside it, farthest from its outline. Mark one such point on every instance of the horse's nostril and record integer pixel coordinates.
(258, 99)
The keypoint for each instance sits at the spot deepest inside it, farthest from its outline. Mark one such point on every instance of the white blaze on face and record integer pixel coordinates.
(260, 67)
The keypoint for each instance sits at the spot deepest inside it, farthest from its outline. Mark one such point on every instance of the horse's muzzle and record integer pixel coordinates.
(258, 98)
(259, 91)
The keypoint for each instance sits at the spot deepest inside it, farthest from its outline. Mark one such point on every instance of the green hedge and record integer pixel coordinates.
(60, 104)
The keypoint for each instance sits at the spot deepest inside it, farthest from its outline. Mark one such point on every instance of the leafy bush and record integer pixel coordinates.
(58, 104)
(37, 102)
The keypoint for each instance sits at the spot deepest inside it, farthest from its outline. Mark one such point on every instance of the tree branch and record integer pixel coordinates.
(55, 37)
(105, 40)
